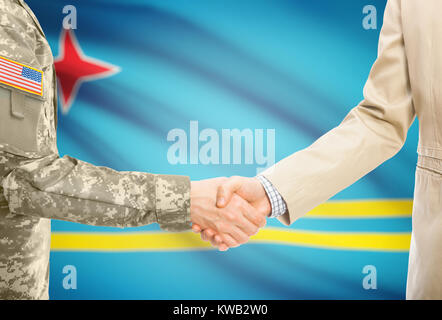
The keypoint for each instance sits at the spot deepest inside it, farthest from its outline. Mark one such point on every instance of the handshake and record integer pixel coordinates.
(227, 211)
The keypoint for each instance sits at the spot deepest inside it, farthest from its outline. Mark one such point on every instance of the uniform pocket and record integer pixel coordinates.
(19, 117)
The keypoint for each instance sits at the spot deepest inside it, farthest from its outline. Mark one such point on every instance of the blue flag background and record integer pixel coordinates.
(294, 66)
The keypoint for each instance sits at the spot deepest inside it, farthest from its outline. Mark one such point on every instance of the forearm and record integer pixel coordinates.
(72, 190)
(334, 162)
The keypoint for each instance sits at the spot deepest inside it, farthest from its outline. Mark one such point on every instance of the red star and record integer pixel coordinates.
(73, 68)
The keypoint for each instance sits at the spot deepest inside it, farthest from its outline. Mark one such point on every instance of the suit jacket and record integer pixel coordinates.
(404, 82)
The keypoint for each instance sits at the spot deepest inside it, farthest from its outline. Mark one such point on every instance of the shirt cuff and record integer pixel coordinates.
(279, 207)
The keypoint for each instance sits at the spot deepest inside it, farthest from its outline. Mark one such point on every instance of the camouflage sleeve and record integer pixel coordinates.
(73, 190)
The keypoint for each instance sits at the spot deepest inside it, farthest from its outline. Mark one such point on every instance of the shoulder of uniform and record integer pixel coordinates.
(13, 15)
(18, 37)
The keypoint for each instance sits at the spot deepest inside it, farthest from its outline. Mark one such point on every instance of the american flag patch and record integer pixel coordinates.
(22, 77)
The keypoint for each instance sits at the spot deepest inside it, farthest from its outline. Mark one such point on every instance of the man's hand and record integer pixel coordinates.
(233, 224)
(249, 189)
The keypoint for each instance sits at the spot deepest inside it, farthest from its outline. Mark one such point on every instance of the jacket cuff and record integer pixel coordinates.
(173, 202)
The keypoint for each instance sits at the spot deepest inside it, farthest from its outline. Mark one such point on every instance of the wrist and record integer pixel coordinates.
(265, 203)
(265, 206)
(194, 185)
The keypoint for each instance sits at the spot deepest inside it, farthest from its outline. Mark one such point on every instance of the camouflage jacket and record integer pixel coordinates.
(37, 185)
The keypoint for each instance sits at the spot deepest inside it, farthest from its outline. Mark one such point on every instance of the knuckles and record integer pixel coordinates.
(221, 226)
(254, 231)
(244, 239)
(259, 221)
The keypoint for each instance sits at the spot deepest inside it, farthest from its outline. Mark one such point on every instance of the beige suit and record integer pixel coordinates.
(405, 81)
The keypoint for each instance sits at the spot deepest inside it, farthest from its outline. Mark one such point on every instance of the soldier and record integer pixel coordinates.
(37, 185)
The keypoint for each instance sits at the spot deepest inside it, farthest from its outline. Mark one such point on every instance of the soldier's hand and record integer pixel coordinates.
(234, 224)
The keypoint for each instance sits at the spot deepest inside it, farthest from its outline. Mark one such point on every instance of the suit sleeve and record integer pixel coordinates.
(370, 134)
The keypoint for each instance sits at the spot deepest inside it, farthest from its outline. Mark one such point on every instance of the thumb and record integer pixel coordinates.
(226, 191)
(196, 228)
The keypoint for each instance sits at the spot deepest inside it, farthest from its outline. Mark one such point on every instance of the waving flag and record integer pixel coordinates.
(134, 70)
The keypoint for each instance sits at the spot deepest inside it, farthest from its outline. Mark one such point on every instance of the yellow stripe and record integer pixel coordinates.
(363, 209)
(161, 241)
(372, 241)
(126, 241)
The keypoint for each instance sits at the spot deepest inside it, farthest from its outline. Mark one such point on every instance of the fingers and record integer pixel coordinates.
(245, 224)
(215, 239)
(234, 223)
(218, 239)
(205, 215)
(237, 222)
(226, 190)
(208, 235)
(229, 241)
(245, 216)
(253, 218)
(223, 247)
(225, 227)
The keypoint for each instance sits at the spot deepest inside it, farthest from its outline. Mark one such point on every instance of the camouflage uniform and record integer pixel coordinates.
(36, 185)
